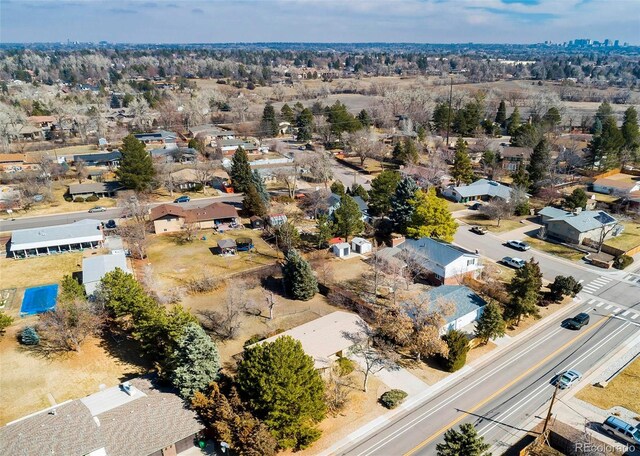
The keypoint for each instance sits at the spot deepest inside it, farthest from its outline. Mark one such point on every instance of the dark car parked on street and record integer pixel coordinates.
(577, 322)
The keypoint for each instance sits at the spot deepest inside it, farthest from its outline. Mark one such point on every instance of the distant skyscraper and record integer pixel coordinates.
(607, 42)
(616, 43)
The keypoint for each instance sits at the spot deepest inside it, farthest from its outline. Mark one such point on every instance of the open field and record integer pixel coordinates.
(629, 238)
(491, 225)
(618, 392)
(27, 379)
(174, 262)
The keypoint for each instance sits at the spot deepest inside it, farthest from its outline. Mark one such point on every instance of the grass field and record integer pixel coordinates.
(618, 392)
(173, 262)
(629, 238)
(555, 249)
(491, 225)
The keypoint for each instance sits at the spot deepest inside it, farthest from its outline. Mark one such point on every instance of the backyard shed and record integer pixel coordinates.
(227, 247)
(341, 250)
(360, 245)
(256, 222)
(96, 267)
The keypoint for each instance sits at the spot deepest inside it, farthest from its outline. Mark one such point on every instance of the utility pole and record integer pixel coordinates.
(449, 113)
(553, 399)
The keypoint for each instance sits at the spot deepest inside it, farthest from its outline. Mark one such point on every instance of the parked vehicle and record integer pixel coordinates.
(182, 199)
(577, 322)
(514, 262)
(97, 209)
(616, 427)
(475, 206)
(518, 245)
(568, 378)
(111, 224)
(479, 230)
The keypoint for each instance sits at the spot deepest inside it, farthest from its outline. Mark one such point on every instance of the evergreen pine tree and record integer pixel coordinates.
(337, 187)
(253, 203)
(465, 442)
(604, 149)
(240, 173)
(540, 165)
(521, 177)
(501, 115)
(348, 218)
(29, 336)
(596, 129)
(431, 217)
(269, 123)
(5, 321)
(383, 187)
(577, 199)
(298, 277)
(258, 183)
(358, 190)
(195, 361)
(324, 230)
(136, 168)
(364, 118)
(401, 207)
(490, 325)
(71, 289)
(458, 348)
(422, 133)
(287, 114)
(282, 387)
(304, 123)
(398, 152)
(524, 289)
(631, 136)
(514, 121)
(462, 170)
(410, 151)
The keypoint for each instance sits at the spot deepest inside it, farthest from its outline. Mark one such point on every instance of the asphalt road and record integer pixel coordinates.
(111, 213)
(505, 393)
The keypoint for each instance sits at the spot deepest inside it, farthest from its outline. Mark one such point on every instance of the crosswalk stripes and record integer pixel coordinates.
(634, 316)
(596, 284)
(591, 301)
(626, 313)
(608, 307)
(616, 310)
(600, 304)
(630, 314)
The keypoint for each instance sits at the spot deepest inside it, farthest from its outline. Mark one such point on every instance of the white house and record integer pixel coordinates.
(442, 263)
(96, 267)
(467, 305)
(617, 185)
(360, 245)
(83, 234)
(341, 249)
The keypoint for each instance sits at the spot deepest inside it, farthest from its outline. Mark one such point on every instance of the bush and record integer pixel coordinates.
(564, 286)
(29, 336)
(252, 340)
(68, 198)
(391, 399)
(622, 261)
(458, 348)
(202, 284)
(92, 199)
(522, 208)
(344, 366)
(79, 199)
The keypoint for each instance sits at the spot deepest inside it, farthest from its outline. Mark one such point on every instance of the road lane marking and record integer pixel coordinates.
(600, 304)
(567, 366)
(591, 301)
(467, 388)
(504, 388)
(634, 316)
(626, 313)
(616, 310)
(608, 307)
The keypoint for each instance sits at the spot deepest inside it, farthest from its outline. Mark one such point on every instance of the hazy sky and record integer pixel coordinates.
(422, 21)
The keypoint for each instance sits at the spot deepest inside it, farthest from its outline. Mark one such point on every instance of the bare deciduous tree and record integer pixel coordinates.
(225, 324)
(81, 170)
(497, 209)
(69, 325)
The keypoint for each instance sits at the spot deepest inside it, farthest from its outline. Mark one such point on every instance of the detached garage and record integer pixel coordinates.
(468, 306)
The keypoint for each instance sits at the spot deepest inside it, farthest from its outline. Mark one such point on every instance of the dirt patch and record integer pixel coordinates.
(26, 379)
(617, 392)
(527, 322)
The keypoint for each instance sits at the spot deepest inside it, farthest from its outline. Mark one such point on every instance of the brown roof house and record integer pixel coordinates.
(169, 218)
(512, 157)
(134, 418)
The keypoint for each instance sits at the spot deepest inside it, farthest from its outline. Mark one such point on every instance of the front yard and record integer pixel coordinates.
(555, 249)
(629, 238)
(618, 392)
(492, 225)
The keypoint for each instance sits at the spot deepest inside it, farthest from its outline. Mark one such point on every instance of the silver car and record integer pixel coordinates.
(514, 262)
(568, 378)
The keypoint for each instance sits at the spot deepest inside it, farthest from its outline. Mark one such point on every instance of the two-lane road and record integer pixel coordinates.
(503, 394)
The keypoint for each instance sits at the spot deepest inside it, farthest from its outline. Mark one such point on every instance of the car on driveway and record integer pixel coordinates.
(475, 206)
(577, 322)
(568, 378)
(182, 199)
(110, 225)
(621, 429)
(479, 230)
(518, 245)
(97, 209)
(514, 262)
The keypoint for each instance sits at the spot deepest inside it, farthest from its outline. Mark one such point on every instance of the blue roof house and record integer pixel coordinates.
(575, 227)
(482, 189)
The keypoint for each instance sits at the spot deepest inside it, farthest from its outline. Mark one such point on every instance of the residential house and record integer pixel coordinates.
(14, 163)
(325, 339)
(169, 218)
(44, 122)
(210, 133)
(333, 203)
(94, 268)
(622, 185)
(229, 146)
(575, 227)
(137, 417)
(513, 157)
(80, 235)
(175, 154)
(482, 189)
(186, 179)
(99, 189)
(441, 262)
(110, 159)
(467, 305)
(25, 133)
(162, 138)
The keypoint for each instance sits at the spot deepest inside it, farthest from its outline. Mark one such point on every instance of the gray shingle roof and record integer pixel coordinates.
(95, 267)
(362, 204)
(86, 230)
(434, 251)
(582, 221)
(484, 187)
(103, 157)
(464, 299)
(94, 187)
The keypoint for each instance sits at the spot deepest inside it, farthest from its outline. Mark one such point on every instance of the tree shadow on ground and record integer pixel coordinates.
(119, 345)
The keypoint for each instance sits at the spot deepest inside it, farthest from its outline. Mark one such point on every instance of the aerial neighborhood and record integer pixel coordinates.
(348, 249)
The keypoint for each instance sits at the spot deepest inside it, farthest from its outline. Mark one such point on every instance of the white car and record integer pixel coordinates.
(567, 379)
(518, 245)
(514, 262)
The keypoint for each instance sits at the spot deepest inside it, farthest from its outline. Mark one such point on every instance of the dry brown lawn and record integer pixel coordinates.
(617, 392)
(174, 262)
(555, 249)
(492, 225)
(27, 379)
(629, 238)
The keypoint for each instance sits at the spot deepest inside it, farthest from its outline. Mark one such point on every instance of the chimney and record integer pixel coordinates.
(397, 239)
(126, 387)
(577, 210)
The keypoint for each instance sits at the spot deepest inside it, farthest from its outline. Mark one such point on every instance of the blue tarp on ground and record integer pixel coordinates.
(39, 299)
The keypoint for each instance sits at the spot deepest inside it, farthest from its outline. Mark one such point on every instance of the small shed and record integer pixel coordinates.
(361, 245)
(341, 249)
(257, 223)
(227, 247)
(276, 220)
